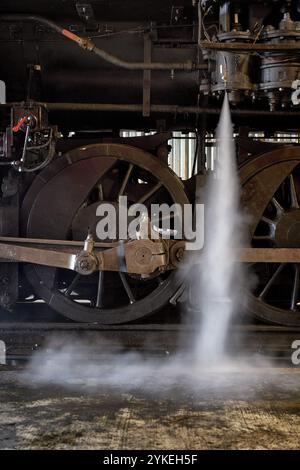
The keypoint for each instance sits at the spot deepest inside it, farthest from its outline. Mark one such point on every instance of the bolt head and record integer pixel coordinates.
(179, 254)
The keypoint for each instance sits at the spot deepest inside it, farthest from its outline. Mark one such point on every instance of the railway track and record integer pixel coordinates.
(23, 339)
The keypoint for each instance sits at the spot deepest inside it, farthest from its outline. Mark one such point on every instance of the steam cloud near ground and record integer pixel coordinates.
(76, 367)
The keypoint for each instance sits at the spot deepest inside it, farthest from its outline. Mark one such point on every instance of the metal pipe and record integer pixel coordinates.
(40, 19)
(157, 108)
(247, 47)
(87, 44)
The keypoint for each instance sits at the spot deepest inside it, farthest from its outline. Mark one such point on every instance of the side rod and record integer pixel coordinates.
(135, 256)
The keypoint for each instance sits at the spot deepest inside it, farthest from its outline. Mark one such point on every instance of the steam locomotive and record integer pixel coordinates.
(73, 75)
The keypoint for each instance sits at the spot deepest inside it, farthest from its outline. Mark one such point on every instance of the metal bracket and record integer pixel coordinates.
(296, 93)
(147, 76)
(2, 353)
(86, 13)
(177, 15)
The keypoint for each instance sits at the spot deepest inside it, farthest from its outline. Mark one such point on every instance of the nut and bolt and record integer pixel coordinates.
(85, 265)
(179, 254)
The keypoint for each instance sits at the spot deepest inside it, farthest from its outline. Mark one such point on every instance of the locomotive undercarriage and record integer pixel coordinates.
(61, 154)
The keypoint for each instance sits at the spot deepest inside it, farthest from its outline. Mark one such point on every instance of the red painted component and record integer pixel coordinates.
(72, 36)
(20, 123)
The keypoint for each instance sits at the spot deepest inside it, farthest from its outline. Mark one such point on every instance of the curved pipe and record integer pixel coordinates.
(89, 45)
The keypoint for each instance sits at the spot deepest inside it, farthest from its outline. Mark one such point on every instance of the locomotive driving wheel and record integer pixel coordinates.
(61, 204)
(271, 196)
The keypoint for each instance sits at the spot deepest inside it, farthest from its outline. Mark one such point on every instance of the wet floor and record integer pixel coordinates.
(261, 415)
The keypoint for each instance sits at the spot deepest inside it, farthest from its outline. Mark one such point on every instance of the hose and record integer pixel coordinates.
(87, 44)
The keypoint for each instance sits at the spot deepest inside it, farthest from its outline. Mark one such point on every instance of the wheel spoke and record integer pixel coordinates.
(163, 222)
(100, 289)
(167, 217)
(100, 192)
(127, 288)
(270, 282)
(158, 219)
(69, 290)
(293, 194)
(278, 206)
(295, 289)
(125, 181)
(149, 193)
(271, 225)
(268, 221)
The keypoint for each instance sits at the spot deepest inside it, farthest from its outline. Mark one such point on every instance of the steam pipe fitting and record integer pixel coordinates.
(87, 44)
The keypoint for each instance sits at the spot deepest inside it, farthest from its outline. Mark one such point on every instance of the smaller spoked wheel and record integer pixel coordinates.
(272, 194)
(79, 185)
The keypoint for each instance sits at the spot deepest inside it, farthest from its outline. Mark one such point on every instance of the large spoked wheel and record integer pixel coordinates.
(61, 204)
(271, 195)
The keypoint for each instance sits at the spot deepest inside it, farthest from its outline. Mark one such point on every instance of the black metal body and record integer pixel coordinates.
(40, 64)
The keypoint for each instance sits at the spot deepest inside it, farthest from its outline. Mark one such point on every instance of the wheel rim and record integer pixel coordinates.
(83, 170)
(270, 194)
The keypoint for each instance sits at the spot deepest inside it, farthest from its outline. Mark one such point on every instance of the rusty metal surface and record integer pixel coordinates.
(145, 256)
(58, 259)
(138, 256)
(65, 243)
(270, 255)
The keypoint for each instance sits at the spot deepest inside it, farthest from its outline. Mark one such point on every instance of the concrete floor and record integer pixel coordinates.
(265, 415)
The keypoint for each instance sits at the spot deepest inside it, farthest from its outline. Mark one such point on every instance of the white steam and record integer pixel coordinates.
(220, 277)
